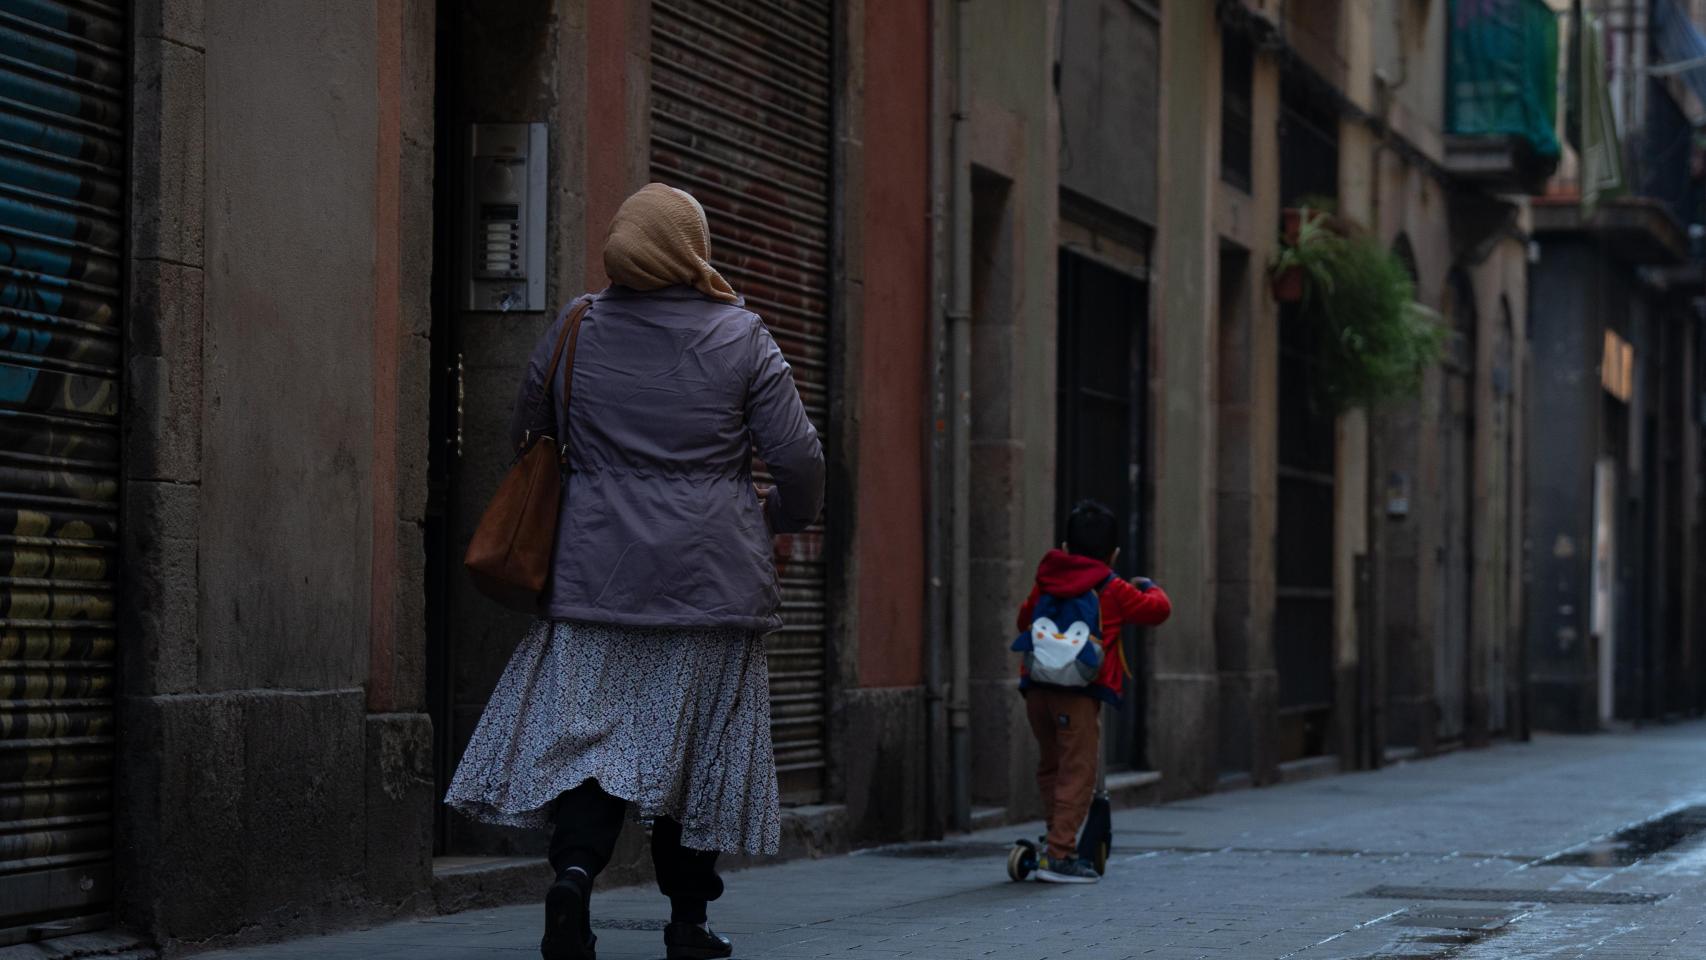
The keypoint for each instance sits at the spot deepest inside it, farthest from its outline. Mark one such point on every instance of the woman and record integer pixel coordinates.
(643, 687)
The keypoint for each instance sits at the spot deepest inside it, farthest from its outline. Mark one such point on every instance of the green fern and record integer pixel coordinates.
(1374, 341)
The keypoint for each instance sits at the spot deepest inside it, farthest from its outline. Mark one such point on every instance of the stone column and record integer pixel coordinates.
(1185, 685)
(1247, 403)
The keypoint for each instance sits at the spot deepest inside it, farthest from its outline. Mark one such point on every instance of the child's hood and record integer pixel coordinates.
(1063, 574)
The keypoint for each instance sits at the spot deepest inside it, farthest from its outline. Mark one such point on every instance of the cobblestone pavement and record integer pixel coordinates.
(1564, 847)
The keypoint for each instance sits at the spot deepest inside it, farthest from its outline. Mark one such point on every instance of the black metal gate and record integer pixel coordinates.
(62, 138)
(1099, 451)
(1499, 656)
(1303, 551)
(742, 116)
(1455, 559)
(1303, 554)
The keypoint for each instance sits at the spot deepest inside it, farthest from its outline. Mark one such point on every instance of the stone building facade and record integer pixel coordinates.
(240, 653)
(1018, 254)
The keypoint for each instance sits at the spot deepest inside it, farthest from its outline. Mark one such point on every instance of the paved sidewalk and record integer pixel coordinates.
(1508, 853)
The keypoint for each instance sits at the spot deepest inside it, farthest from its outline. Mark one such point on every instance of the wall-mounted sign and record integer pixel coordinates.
(1617, 367)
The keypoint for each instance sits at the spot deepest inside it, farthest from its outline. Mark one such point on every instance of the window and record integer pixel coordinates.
(1237, 80)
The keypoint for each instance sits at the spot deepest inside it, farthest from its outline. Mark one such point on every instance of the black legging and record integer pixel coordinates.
(588, 822)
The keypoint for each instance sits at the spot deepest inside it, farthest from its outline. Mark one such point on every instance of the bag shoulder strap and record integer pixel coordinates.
(566, 340)
(572, 331)
(574, 334)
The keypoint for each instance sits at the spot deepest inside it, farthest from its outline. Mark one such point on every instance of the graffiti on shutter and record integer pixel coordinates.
(62, 119)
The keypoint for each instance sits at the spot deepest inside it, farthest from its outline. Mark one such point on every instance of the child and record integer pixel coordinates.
(1070, 634)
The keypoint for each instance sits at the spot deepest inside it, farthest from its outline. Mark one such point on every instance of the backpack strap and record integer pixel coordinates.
(1102, 628)
(1101, 618)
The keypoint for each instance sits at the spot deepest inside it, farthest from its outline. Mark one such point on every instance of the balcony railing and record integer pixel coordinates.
(1502, 92)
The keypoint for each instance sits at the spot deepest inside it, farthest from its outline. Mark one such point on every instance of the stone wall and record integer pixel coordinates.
(275, 766)
(1014, 153)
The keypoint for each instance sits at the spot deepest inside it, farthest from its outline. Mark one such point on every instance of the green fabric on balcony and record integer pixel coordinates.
(1601, 154)
(1502, 77)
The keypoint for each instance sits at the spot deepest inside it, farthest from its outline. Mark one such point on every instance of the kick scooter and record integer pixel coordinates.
(1094, 841)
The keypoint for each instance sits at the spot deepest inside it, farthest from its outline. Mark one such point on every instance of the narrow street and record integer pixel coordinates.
(1564, 847)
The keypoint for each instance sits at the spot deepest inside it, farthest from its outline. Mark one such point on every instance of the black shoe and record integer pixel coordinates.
(568, 924)
(1066, 870)
(690, 941)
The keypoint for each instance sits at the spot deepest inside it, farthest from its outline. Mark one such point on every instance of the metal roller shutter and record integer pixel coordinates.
(62, 136)
(741, 116)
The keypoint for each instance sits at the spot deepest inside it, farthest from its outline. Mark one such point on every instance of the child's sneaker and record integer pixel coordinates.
(1065, 870)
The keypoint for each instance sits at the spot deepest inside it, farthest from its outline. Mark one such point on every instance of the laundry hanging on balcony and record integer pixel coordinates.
(1503, 72)
(1682, 58)
(1601, 154)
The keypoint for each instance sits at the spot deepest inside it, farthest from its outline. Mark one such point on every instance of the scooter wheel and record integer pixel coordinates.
(1101, 863)
(1020, 862)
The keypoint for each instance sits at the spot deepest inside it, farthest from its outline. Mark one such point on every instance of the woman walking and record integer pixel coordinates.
(642, 688)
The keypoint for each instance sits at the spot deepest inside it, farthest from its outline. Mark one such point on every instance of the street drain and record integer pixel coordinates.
(1633, 844)
(1459, 928)
(1448, 918)
(1501, 895)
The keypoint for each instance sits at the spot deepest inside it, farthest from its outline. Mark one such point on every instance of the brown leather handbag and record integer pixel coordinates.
(509, 558)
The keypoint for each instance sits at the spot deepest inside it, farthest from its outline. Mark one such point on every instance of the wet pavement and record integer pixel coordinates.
(1565, 847)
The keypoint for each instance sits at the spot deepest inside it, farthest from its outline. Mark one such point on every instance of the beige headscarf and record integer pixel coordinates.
(659, 238)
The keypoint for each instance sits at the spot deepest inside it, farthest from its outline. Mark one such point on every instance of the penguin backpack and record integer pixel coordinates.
(1063, 647)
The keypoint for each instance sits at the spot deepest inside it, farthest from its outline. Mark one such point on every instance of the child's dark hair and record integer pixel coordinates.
(1092, 530)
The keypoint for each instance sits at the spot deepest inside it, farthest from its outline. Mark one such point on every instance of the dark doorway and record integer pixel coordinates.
(477, 357)
(1455, 557)
(1304, 608)
(1501, 653)
(1100, 448)
(1304, 651)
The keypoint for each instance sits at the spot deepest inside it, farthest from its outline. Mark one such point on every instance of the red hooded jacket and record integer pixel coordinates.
(1144, 604)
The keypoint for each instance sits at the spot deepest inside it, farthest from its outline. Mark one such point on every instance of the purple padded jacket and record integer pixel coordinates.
(673, 394)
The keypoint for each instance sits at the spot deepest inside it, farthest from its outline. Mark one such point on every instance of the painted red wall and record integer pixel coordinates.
(894, 342)
(608, 177)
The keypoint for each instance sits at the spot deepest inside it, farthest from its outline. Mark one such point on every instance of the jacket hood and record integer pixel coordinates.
(1063, 574)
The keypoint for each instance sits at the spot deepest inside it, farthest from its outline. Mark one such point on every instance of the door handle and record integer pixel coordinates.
(454, 441)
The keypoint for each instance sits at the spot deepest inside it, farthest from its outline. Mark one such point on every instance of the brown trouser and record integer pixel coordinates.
(1068, 727)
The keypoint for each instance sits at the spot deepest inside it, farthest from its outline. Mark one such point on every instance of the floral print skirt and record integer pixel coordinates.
(675, 721)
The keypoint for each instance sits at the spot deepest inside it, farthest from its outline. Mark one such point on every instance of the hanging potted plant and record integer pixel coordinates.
(1374, 341)
(1304, 255)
